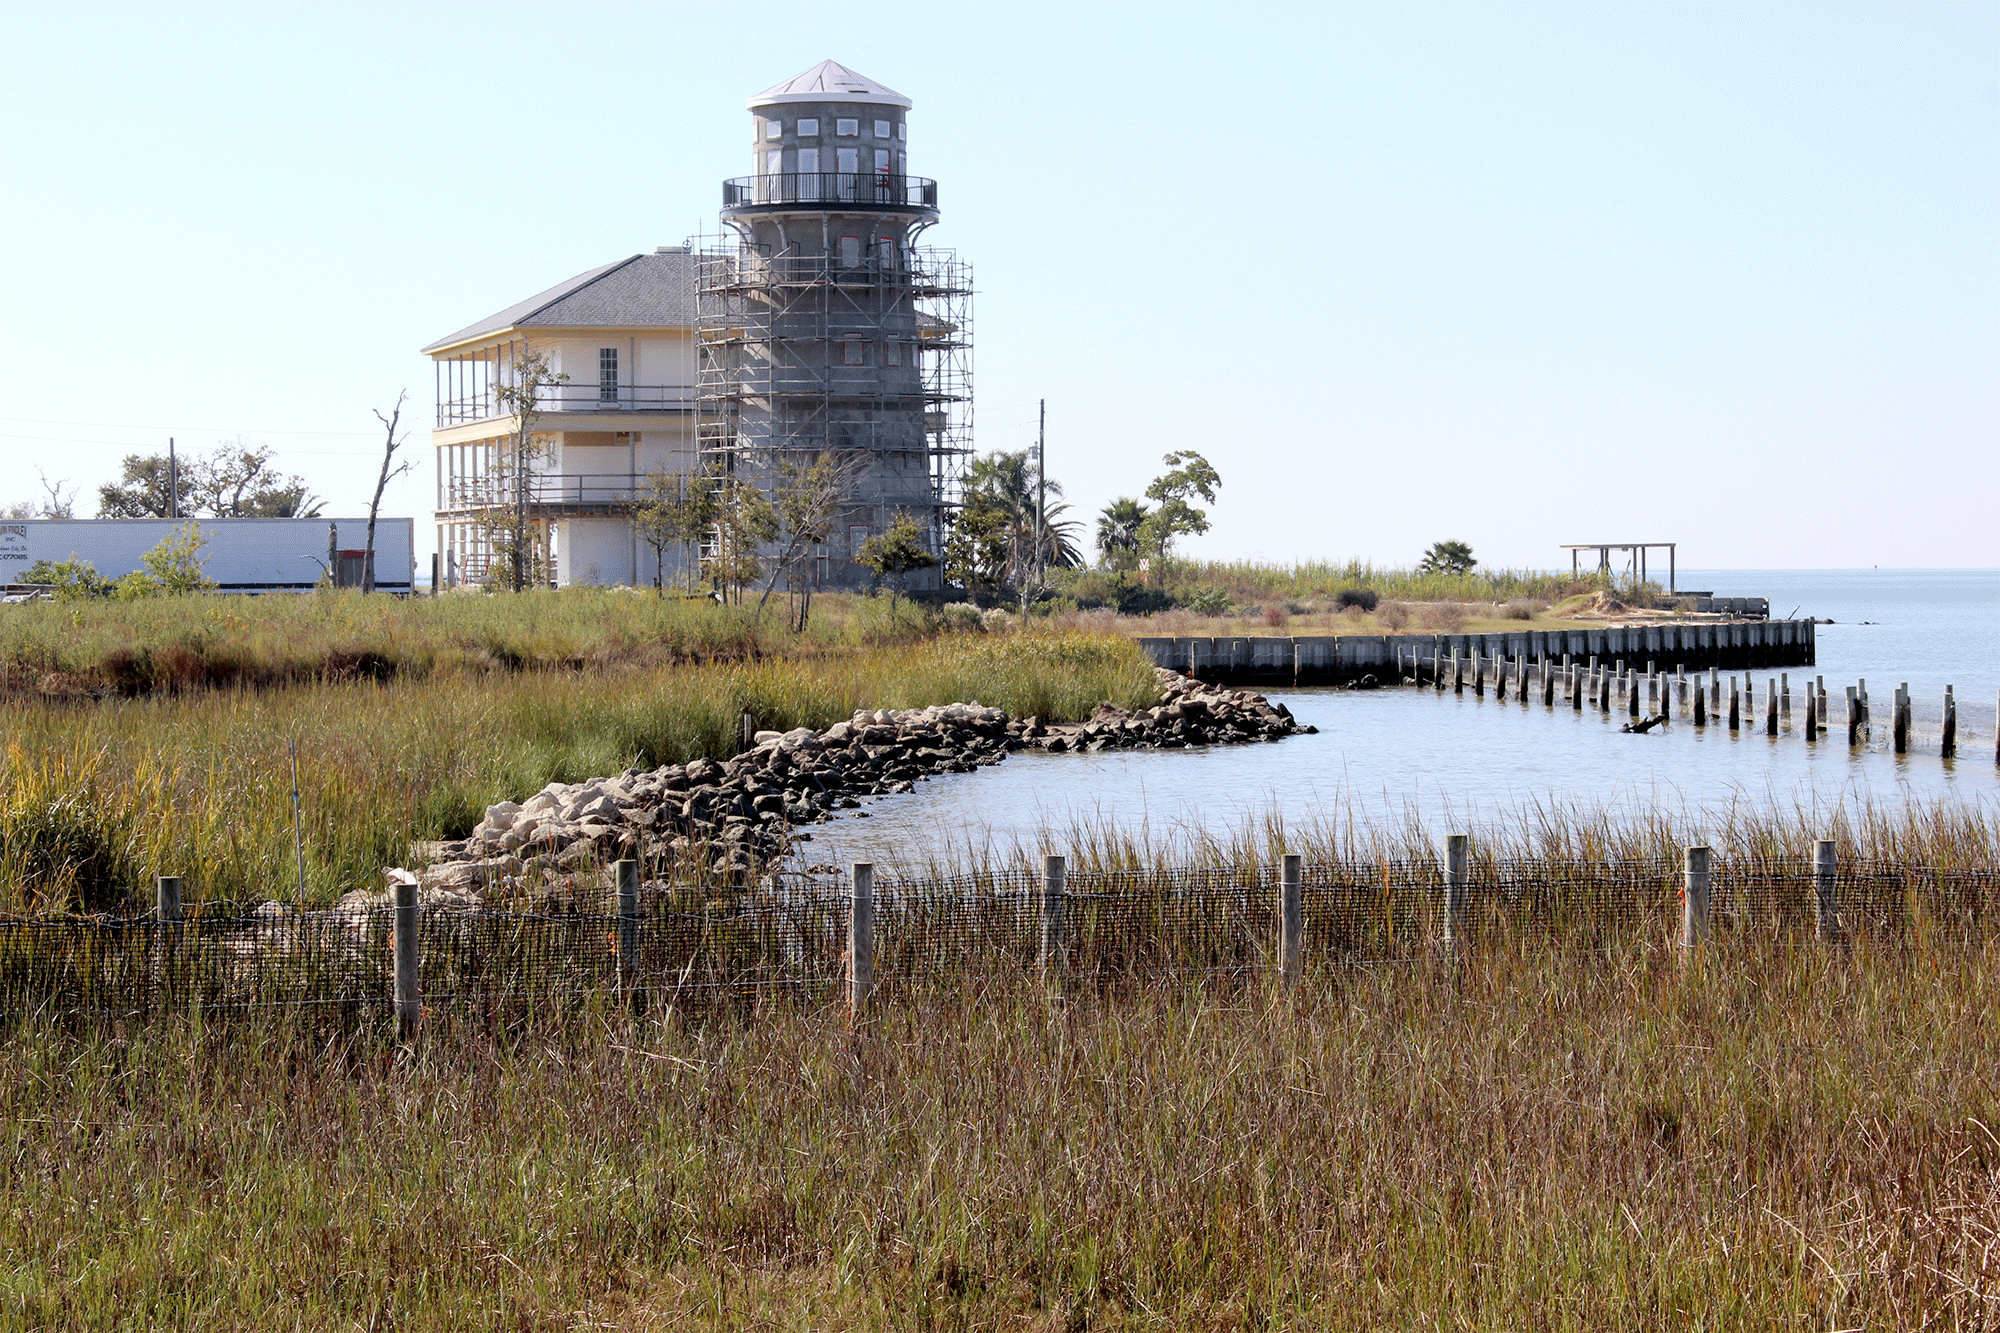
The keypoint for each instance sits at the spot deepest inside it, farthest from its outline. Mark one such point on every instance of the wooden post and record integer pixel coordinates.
(1899, 719)
(409, 992)
(167, 910)
(1681, 682)
(1694, 898)
(1632, 697)
(1735, 706)
(749, 731)
(1853, 716)
(1949, 745)
(1827, 910)
(860, 938)
(1548, 684)
(1700, 706)
(1052, 920)
(1817, 691)
(1604, 692)
(1812, 717)
(625, 905)
(1457, 673)
(1714, 690)
(1479, 674)
(1785, 695)
(1454, 890)
(1291, 922)
(1770, 707)
(1576, 689)
(167, 899)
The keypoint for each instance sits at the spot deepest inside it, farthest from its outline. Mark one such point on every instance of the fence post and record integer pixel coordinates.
(1824, 867)
(1454, 890)
(168, 914)
(1948, 745)
(749, 731)
(860, 938)
(168, 898)
(625, 902)
(409, 994)
(1694, 898)
(1052, 919)
(1291, 922)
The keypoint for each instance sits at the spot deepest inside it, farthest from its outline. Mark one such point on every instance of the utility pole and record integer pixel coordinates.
(173, 480)
(1042, 494)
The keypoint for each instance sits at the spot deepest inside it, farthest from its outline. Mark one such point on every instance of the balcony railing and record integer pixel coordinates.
(575, 397)
(869, 188)
(575, 488)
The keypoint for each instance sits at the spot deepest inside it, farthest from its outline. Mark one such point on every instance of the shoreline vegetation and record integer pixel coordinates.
(1776, 1137)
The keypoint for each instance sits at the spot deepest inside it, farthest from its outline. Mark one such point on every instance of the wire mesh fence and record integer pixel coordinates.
(793, 935)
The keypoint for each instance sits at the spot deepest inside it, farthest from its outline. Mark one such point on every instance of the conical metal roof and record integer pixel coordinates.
(829, 82)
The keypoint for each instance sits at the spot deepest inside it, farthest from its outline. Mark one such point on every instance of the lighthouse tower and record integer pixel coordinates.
(823, 328)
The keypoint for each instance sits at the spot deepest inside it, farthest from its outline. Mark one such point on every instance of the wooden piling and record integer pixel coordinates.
(1548, 685)
(1735, 706)
(1948, 746)
(625, 905)
(1479, 674)
(1694, 898)
(1291, 922)
(1812, 718)
(1455, 859)
(1051, 956)
(1457, 673)
(1575, 690)
(749, 725)
(1770, 707)
(1899, 719)
(860, 938)
(1714, 690)
(1700, 707)
(409, 991)
(1785, 695)
(1826, 909)
(167, 899)
(1632, 698)
(1853, 716)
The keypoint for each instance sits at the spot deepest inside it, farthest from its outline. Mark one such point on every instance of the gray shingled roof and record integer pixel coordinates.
(645, 291)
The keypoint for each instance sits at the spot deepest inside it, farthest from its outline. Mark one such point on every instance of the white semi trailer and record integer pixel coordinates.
(238, 554)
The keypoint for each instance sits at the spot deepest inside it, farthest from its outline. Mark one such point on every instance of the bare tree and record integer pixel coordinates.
(58, 505)
(521, 398)
(389, 447)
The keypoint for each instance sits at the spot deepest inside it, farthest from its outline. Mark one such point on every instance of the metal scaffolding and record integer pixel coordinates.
(865, 354)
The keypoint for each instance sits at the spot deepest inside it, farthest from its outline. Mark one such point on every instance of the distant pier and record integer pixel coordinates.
(1737, 645)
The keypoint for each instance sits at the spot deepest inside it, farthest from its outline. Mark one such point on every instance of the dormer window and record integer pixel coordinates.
(847, 129)
(808, 127)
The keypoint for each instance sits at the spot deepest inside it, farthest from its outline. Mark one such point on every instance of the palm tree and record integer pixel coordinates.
(1010, 481)
(1118, 530)
(1447, 558)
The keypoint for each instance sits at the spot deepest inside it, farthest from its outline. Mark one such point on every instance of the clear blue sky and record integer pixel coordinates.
(1516, 274)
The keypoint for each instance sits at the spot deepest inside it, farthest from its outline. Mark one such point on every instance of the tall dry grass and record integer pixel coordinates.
(1768, 1138)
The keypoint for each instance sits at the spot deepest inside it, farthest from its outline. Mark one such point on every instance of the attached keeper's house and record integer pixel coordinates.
(623, 335)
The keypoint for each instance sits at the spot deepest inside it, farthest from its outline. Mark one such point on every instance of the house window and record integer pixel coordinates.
(847, 129)
(808, 127)
(857, 534)
(903, 130)
(854, 352)
(885, 250)
(774, 129)
(808, 161)
(847, 160)
(881, 129)
(892, 353)
(850, 251)
(607, 374)
(881, 161)
(774, 162)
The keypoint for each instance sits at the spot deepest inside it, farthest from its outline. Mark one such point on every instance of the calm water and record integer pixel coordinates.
(1390, 756)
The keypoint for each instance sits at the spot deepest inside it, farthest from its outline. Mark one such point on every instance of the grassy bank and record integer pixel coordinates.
(96, 798)
(177, 644)
(1775, 1138)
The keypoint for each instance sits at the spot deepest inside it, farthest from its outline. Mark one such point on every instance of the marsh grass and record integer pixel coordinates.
(95, 798)
(1768, 1137)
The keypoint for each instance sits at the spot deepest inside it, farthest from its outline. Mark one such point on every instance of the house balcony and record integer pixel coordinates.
(792, 190)
(575, 403)
(548, 495)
